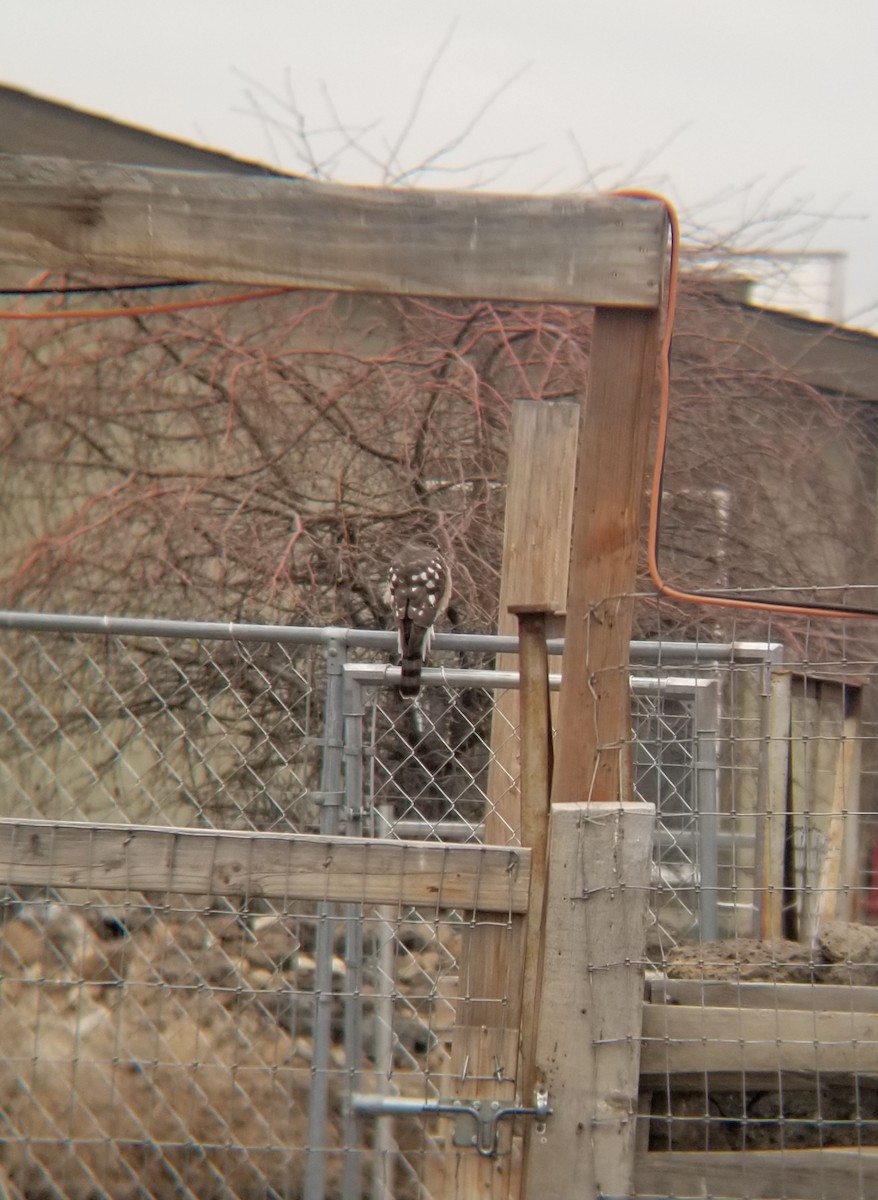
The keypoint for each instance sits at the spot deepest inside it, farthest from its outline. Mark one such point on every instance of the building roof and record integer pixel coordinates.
(829, 357)
(34, 125)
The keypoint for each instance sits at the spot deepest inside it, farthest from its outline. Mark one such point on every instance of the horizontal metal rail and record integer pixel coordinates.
(665, 653)
(380, 675)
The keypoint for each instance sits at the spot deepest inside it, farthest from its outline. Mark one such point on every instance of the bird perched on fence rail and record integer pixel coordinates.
(420, 588)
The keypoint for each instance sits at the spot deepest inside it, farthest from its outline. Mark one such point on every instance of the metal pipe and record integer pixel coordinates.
(353, 916)
(331, 797)
(381, 675)
(356, 787)
(661, 653)
(385, 1148)
(352, 1172)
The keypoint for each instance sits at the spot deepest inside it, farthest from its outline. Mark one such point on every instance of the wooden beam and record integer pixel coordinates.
(594, 720)
(758, 1174)
(484, 1048)
(496, 1021)
(720, 993)
(707, 1041)
(539, 493)
(59, 214)
(592, 994)
(295, 866)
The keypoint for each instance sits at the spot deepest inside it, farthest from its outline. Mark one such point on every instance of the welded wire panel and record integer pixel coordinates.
(408, 1024)
(167, 1048)
(736, 1059)
(760, 1044)
(665, 756)
(155, 1050)
(155, 1044)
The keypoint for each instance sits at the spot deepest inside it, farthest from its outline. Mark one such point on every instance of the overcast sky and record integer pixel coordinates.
(738, 111)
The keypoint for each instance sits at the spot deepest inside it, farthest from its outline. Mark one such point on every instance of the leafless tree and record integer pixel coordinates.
(259, 461)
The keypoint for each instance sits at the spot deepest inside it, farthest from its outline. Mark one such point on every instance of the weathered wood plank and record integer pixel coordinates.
(718, 993)
(59, 214)
(295, 866)
(833, 892)
(536, 784)
(740, 1040)
(758, 1174)
(771, 835)
(594, 721)
(592, 992)
(536, 553)
(484, 1048)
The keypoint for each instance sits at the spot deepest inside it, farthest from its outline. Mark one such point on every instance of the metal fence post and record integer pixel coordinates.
(384, 1148)
(330, 798)
(353, 916)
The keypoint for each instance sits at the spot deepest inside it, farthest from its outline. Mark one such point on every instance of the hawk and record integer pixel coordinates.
(420, 588)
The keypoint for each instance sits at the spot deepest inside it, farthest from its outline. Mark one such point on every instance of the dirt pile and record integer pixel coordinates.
(844, 952)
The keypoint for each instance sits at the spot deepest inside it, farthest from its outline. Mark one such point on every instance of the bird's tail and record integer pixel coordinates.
(410, 676)
(414, 644)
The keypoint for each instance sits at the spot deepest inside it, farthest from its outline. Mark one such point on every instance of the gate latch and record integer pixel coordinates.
(475, 1121)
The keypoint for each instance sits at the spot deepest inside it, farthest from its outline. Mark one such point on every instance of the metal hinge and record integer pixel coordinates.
(475, 1121)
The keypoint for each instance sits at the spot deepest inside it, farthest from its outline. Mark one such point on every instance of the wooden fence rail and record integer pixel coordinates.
(713, 1036)
(758, 1174)
(69, 854)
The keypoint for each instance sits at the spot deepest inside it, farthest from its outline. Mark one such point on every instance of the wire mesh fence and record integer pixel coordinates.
(425, 771)
(182, 732)
(160, 1039)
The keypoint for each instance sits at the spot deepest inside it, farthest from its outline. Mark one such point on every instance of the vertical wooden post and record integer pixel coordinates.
(588, 1037)
(536, 550)
(536, 784)
(599, 1093)
(833, 897)
(484, 1049)
(774, 786)
(496, 1013)
(594, 721)
(588, 1042)
(485, 1045)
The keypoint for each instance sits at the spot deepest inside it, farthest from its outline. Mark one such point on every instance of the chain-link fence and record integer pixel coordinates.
(160, 1039)
(423, 770)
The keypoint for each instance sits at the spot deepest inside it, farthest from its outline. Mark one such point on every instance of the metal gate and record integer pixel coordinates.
(160, 1037)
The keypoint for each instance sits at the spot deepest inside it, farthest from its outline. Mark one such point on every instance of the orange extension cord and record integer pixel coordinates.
(655, 503)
